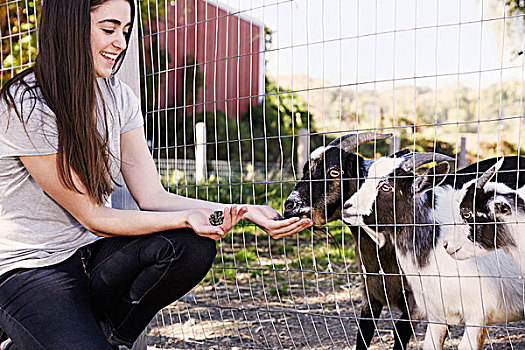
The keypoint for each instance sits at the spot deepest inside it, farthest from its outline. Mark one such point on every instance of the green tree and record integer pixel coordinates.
(18, 40)
(273, 122)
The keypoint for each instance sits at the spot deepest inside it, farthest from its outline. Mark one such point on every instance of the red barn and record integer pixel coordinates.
(228, 47)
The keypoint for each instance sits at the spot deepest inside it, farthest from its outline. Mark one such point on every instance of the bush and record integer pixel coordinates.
(263, 134)
(219, 189)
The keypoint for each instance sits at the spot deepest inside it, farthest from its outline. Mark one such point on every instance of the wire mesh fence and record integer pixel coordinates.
(237, 94)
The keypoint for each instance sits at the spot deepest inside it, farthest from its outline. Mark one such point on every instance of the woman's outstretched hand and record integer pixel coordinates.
(273, 224)
(199, 221)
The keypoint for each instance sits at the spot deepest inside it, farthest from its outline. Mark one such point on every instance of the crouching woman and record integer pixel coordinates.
(68, 128)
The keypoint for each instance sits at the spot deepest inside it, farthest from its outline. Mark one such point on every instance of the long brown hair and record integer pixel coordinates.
(65, 76)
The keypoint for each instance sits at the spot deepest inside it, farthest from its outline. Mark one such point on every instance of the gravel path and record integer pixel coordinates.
(237, 315)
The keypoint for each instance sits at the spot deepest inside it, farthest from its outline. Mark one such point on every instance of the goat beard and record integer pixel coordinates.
(319, 232)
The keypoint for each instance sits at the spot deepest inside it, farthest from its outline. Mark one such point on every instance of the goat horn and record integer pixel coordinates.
(415, 160)
(351, 141)
(487, 175)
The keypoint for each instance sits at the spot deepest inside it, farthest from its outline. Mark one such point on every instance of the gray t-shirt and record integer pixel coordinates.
(35, 230)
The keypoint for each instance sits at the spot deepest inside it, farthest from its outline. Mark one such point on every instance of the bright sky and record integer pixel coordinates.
(348, 41)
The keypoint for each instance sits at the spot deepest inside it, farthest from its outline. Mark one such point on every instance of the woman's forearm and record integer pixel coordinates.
(106, 221)
(165, 201)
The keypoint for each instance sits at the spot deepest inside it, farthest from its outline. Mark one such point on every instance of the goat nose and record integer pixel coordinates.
(347, 205)
(445, 244)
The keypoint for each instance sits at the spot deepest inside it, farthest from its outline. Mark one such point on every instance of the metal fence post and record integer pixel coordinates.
(129, 73)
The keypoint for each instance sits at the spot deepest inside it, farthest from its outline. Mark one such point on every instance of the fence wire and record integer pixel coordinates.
(237, 94)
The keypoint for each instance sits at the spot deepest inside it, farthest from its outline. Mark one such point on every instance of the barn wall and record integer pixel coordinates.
(227, 51)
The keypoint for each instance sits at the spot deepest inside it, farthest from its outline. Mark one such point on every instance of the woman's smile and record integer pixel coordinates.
(110, 24)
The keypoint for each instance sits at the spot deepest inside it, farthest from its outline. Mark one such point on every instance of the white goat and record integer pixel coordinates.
(394, 201)
(489, 215)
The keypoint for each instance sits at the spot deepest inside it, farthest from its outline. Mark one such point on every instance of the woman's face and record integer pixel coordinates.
(109, 24)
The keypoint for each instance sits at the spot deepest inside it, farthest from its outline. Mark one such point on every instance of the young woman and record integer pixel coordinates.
(67, 128)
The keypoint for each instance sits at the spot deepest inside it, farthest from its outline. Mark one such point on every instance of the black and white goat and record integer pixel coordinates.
(332, 176)
(489, 214)
(394, 203)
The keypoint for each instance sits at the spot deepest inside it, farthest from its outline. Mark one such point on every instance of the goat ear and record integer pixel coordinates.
(431, 178)
(521, 192)
(317, 153)
(489, 174)
(400, 153)
(378, 237)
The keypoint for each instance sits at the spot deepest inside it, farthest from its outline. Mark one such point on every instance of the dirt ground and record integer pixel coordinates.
(317, 312)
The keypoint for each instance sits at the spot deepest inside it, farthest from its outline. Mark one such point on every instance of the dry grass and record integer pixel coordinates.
(320, 315)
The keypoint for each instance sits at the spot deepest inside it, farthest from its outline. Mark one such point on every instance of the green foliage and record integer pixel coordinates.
(245, 255)
(217, 274)
(307, 254)
(228, 274)
(18, 23)
(151, 10)
(179, 140)
(232, 190)
(281, 289)
(273, 122)
(263, 134)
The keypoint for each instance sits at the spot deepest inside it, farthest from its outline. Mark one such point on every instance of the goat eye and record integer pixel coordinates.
(466, 214)
(335, 173)
(386, 188)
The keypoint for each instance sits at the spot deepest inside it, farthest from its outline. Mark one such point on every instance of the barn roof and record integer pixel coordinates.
(243, 15)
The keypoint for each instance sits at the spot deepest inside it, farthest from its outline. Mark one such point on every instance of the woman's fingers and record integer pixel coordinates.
(214, 232)
(228, 217)
(295, 226)
(241, 213)
(275, 228)
(232, 216)
(284, 224)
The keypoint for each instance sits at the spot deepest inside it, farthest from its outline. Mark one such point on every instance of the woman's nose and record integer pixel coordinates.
(120, 42)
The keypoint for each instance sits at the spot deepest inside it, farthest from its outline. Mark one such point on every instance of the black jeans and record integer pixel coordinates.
(105, 294)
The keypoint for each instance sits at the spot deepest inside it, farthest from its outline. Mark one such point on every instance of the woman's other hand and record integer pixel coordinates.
(273, 224)
(199, 221)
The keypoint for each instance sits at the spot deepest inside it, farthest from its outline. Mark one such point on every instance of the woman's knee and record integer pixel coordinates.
(197, 253)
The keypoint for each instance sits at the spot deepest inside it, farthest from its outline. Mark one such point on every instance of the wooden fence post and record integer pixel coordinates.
(462, 159)
(395, 144)
(200, 152)
(303, 150)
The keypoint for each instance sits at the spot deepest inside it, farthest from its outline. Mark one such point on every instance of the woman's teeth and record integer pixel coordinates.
(109, 55)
